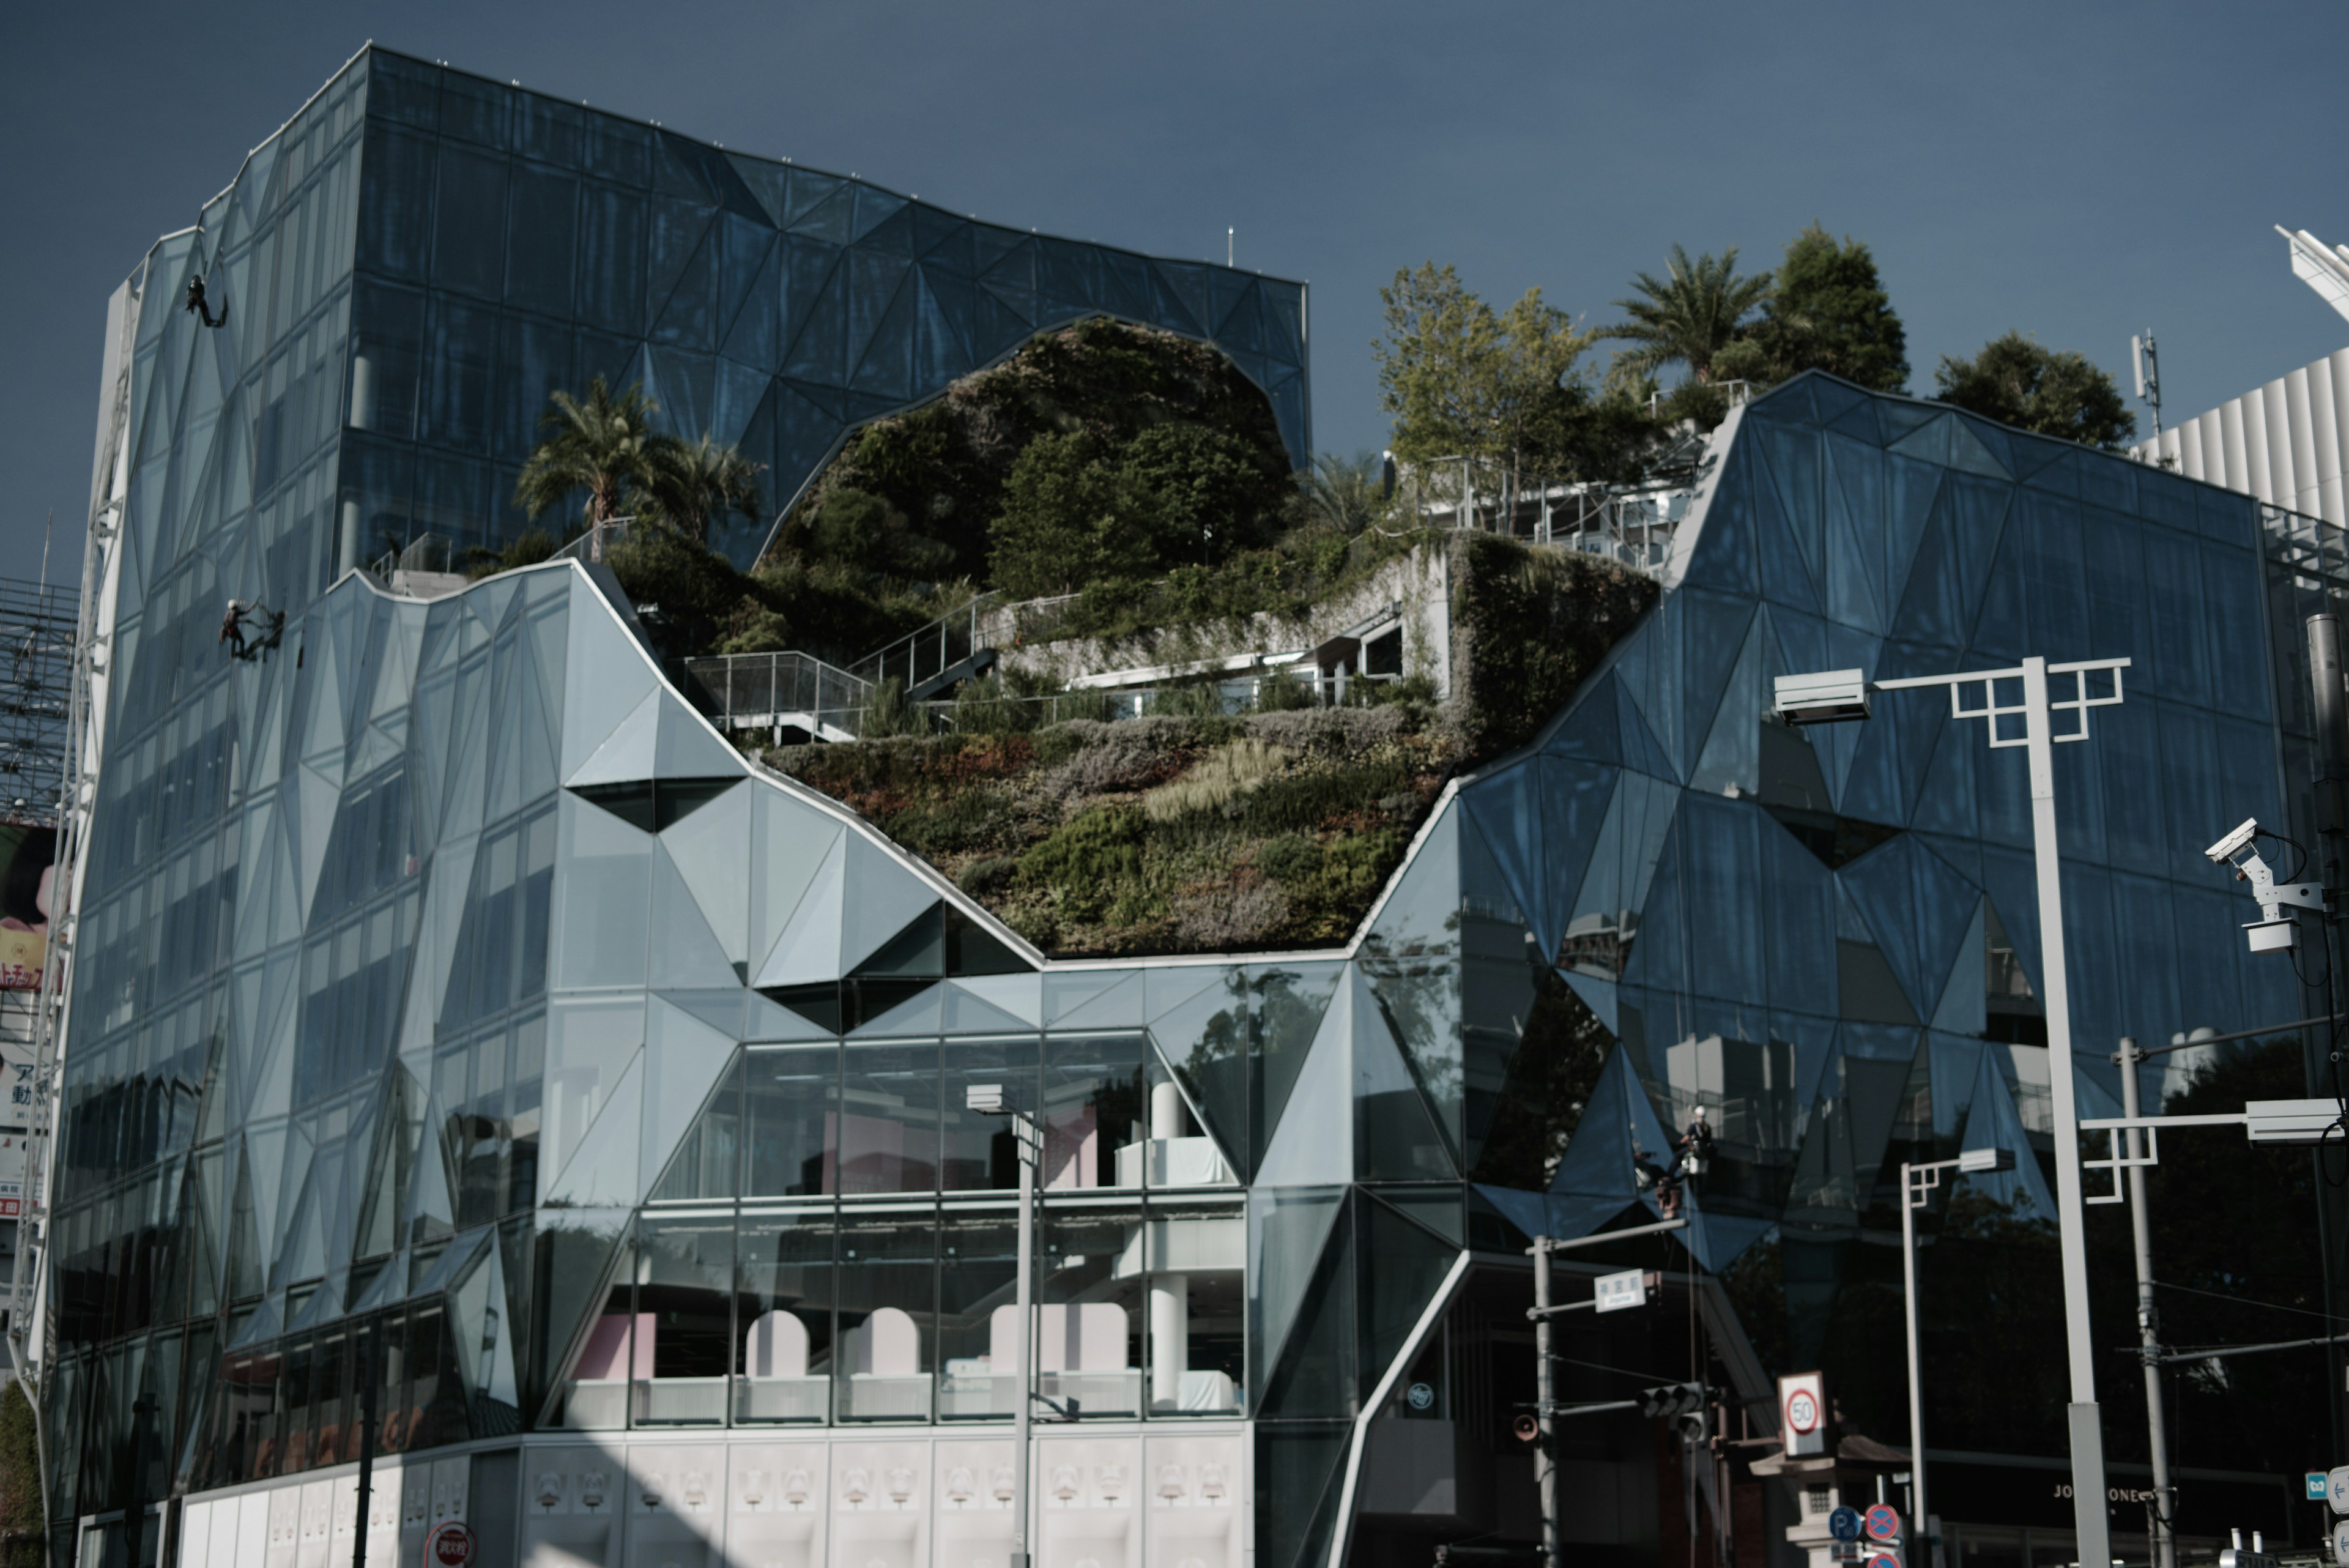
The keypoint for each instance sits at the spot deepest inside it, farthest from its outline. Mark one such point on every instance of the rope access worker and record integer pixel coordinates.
(202, 311)
(1694, 1147)
(232, 628)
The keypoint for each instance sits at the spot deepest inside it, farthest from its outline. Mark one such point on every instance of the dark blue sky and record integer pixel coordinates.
(2077, 172)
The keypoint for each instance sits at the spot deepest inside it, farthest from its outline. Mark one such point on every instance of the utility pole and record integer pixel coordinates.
(1546, 1409)
(366, 1440)
(2329, 710)
(2148, 1320)
(1545, 1391)
(989, 1099)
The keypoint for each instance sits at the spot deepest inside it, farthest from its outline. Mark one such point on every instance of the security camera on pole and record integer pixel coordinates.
(2022, 706)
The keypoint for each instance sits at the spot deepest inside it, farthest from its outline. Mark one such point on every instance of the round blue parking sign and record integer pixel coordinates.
(1844, 1524)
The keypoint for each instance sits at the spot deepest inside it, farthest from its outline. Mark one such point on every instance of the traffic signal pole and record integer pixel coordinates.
(1546, 1408)
(1545, 1390)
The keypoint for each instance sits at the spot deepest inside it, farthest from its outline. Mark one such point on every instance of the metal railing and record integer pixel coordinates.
(434, 553)
(1632, 525)
(591, 545)
(944, 650)
(780, 691)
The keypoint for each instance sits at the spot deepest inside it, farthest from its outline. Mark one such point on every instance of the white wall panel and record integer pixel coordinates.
(2286, 443)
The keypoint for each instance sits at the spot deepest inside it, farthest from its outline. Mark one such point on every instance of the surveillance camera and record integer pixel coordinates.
(2235, 843)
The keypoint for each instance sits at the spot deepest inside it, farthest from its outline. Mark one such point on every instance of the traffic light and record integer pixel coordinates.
(1693, 1428)
(1672, 1400)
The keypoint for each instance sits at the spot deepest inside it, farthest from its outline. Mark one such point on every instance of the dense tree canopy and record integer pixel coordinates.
(1506, 388)
(2015, 381)
(1827, 310)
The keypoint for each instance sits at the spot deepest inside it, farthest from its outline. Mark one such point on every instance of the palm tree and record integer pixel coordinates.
(1347, 492)
(1688, 317)
(698, 482)
(600, 443)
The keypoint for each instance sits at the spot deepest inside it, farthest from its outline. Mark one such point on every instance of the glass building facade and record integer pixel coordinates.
(470, 1054)
(420, 256)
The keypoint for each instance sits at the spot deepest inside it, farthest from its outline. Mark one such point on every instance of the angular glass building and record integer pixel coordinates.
(415, 259)
(474, 1060)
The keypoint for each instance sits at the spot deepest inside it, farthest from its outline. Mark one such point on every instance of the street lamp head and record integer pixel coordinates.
(1974, 1160)
(1823, 697)
(986, 1099)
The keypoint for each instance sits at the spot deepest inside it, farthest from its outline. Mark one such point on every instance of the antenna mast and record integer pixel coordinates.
(2146, 358)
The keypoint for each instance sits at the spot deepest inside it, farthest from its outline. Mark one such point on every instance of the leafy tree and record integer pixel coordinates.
(1463, 381)
(1686, 318)
(683, 592)
(1207, 492)
(599, 443)
(861, 530)
(695, 483)
(1070, 517)
(2017, 382)
(1827, 311)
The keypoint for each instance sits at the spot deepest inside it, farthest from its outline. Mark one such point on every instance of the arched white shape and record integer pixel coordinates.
(776, 1346)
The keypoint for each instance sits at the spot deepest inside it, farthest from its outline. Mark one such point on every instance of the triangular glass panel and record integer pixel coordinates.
(1403, 1267)
(1314, 1370)
(1071, 995)
(688, 749)
(882, 896)
(969, 1012)
(790, 843)
(1287, 1230)
(1315, 1145)
(603, 1170)
(686, 953)
(1992, 1122)
(627, 754)
(685, 1061)
(721, 1007)
(807, 950)
(818, 1005)
(707, 849)
(881, 1009)
(1395, 1135)
(607, 675)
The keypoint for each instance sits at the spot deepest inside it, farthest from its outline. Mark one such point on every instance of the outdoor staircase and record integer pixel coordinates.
(798, 692)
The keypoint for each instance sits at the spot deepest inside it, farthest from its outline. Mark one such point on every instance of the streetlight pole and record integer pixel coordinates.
(2030, 723)
(2148, 1323)
(1918, 1183)
(989, 1099)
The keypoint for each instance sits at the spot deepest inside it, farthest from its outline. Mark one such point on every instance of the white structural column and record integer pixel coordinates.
(1170, 1293)
(2088, 1517)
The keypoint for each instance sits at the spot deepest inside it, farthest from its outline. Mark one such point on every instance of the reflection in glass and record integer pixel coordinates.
(596, 1396)
(889, 1119)
(783, 1323)
(978, 1265)
(888, 1321)
(1088, 1346)
(683, 1355)
(978, 1151)
(790, 1103)
(1096, 1099)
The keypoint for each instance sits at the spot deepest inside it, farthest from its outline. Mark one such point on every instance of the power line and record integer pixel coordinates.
(2241, 1301)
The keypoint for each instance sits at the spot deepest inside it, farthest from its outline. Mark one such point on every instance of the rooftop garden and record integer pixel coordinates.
(1194, 830)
